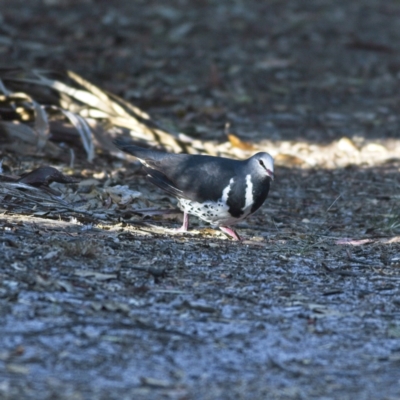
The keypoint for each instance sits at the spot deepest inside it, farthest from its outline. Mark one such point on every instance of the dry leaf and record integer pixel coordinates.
(97, 275)
(122, 194)
(43, 176)
(50, 255)
(41, 126)
(347, 145)
(288, 160)
(240, 144)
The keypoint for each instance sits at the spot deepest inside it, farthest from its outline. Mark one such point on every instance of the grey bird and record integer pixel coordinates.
(220, 191)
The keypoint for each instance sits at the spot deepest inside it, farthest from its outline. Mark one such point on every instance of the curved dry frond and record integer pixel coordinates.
(89, 109)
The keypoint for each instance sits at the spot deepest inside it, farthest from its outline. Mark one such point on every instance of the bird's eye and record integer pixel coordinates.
(261, 163)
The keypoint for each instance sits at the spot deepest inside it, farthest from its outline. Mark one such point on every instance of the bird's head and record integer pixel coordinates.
(263, 165)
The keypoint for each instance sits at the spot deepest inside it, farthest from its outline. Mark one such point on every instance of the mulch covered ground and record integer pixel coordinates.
(99, 302)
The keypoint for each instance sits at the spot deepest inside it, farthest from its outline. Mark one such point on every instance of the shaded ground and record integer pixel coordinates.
(308, 306)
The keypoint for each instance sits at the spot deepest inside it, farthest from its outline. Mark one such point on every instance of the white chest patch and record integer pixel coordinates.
(249, 199)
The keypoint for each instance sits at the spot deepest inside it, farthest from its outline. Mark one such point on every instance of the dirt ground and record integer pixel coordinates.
(308, 305)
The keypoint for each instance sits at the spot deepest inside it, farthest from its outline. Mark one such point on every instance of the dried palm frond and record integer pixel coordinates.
(31, 190)
(33, 101)
(19, 107)
(23, 198)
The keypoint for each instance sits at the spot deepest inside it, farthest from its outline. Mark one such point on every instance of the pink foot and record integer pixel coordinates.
(185, 224)
(230, 232)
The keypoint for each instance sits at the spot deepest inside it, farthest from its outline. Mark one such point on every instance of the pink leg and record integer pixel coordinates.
(185, 224)
(230, 232)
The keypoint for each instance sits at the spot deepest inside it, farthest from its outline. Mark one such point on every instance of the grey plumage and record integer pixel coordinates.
(218, 190)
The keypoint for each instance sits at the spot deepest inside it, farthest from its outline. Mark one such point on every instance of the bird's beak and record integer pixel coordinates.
(270, 174)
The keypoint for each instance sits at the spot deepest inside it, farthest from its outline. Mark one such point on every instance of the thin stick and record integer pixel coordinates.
(337, 198)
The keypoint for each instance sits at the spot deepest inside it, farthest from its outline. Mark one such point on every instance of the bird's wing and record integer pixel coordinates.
(193, 177)
(159, 179)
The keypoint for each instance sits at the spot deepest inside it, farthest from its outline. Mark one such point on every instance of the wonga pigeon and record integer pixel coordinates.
(218, 190)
